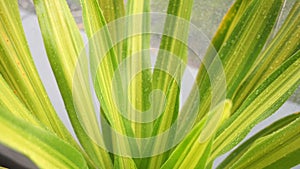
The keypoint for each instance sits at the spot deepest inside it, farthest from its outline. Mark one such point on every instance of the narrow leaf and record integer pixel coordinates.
(138, 53)
(103, 63)
(265, 151)
(168, 71)
(284, 45)
(260, 104)
(64, 44)
(44, 148)
(113, 10)
(194, 150)
(242, 149)
(12, 103)
(18, 70)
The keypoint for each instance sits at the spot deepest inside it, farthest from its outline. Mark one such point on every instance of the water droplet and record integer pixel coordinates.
(258, 36)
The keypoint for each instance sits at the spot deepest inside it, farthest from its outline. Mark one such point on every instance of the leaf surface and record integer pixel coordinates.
(44, 148)
(262, 140)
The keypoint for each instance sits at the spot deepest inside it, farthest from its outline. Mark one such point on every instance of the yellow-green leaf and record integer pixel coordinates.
(18, 70)
(277, 126)
(44, 148)
(265, 151)
(261, 103)
(195, 148)
(64, 45)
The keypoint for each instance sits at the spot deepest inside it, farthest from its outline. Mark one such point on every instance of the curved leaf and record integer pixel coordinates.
(12, 103)
(283, 45)
(18, 70)
(64, 44)
(44, 148)
(237, 154)
(260, 104)
(266, 150)
(194, 151)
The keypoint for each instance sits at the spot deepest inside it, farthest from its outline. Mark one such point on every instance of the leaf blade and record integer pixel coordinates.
(270, 148)
(283, 81)
(194, 151)
(64, 45)
(41, 146)
(242, 149)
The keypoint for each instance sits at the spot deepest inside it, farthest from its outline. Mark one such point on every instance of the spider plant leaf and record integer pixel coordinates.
(64, 44)
(176, 48)
(241, 48)
(168, 70)
(12, 103)
(104, 70)
(265, 151)
(260, 104)
(44, 148)
(103, 62)
(237, 54)
(112, 10)
(225, 28)
(138, 54)
(18, 70)
(268, 133)
(283, 46)
(194, 151)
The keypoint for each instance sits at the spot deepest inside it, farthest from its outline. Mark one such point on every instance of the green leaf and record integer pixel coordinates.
(266, 150)
(238, 153)
(112, 10)
(260, 104)
(64, 44)
(283, 45)
(242, 45)
(12, 103)
(137, 52)
(241, 49)
(44, 148)
(200, 88)
(18, 70)
(194, 150)
(169, 66)
(103, 63)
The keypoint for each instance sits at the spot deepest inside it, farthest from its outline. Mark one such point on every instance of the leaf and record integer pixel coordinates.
(44, 148)
(238, 153)
(112, 10)
(260, 104)
(194, 150)
(18, 70)
(266, 150)
(240, 48)
(13, 104)
(103, 64)
(283, 46)
(137, 52)
(237, 54)
(103, 67)
(64, 45)
(168, 70)
(200, 88)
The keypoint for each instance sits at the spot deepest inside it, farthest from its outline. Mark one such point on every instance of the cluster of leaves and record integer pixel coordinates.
(261, 67)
